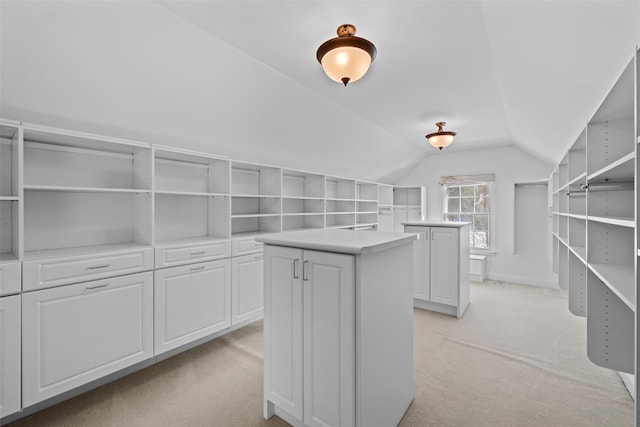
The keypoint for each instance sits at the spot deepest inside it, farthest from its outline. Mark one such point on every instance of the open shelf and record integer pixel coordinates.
(620, 279)
(85, 189)
(302, 184)
(340, 188)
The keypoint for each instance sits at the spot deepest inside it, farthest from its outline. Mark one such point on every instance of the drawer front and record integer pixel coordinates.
(10, 278)
(167, 257)
(246, 246)
(61, 271)
(72, 335)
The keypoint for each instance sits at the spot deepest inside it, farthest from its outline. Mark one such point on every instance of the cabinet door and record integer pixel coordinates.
(9, 355)
(283, 328)
(247, 287)
(191, 302)
(329, 339)
(72, 335)
(444, 265)
(421, 261)
(399, 216)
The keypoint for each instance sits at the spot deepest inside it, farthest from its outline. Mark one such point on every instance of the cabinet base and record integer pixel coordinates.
(440, 308)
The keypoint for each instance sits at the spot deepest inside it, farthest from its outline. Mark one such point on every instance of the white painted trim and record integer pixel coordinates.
(524, 280)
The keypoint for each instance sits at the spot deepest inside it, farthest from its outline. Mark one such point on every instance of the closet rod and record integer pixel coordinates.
(609, 186)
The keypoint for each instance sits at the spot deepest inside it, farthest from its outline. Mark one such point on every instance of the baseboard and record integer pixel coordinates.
(524, 280)
(629, 381)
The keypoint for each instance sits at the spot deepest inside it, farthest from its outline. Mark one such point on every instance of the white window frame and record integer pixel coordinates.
(461, 180)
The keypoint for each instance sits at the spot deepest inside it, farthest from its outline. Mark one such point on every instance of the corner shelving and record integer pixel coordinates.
(84, 191)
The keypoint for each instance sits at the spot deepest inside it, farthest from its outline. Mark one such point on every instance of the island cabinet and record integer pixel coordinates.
(441, 266)
(338, 324)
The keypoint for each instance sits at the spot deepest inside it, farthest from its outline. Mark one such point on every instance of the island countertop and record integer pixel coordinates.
(436, 223)
(339, 241)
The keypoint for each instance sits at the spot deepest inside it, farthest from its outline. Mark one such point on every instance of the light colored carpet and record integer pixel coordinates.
(517, 358)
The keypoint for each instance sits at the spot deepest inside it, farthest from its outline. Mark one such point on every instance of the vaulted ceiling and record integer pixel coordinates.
(240, 78)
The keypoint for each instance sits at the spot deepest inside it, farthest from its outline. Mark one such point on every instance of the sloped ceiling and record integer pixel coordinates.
(240, 78)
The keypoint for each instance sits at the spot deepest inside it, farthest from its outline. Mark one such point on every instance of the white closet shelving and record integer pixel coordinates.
(84, 193)
(340, 202)
(366, 205)
(10, 194)
(255, 199)
(409, 204)
(302, 200)
(385, 207)
(594, 218)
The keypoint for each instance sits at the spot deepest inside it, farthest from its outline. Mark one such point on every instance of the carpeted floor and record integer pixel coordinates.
(517, 358)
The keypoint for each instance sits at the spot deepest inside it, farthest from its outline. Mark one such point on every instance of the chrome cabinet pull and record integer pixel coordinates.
(197, 253)
(295, 269)
(304, 271)
(90, 288)
(98, 266)
(197, 268)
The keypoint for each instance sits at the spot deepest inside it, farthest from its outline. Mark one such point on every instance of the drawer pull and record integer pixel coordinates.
(197, 268)
(197, 253)
(257, 257)
(90, 288)
(98, 266)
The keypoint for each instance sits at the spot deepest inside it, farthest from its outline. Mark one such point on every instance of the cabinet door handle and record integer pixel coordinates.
(304, 271)
(295, 269)
(197, 268)
(90, 288)
(93, 267)
(197, 253)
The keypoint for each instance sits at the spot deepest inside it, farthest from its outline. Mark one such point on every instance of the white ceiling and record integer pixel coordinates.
(240, 78)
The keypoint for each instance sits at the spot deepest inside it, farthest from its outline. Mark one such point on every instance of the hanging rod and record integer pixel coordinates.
(576, 193)
(609, 186)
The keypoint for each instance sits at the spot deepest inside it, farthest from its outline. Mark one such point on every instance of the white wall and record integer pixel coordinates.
(510, 165)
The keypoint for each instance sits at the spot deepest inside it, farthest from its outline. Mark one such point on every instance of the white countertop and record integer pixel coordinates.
(436, 223)
(340, 241)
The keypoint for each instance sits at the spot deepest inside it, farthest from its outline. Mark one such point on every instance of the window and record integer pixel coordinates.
(469, 199)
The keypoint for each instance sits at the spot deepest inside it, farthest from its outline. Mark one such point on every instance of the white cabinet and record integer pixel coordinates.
(191, 302)
(72, 335)
(319, 361)
(10, 278)
(316, 360)
(324, 365)
(247, 287)
(441, 266)
(9, 355)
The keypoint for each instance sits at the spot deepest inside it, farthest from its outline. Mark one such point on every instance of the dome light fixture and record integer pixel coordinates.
(441, 138)
(346, 58)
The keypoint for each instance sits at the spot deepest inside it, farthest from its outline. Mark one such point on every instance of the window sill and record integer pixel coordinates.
(481, 252)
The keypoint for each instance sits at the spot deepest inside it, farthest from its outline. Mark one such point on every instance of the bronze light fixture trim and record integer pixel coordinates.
(440, 138)
(347, 57)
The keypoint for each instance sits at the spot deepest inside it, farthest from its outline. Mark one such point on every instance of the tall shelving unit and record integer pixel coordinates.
(595, 233)
(409, 204)
(366, 205)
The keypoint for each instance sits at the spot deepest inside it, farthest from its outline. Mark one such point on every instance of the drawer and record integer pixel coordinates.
(178, 255)
(47, 273)
(10, 278)
(245, 246)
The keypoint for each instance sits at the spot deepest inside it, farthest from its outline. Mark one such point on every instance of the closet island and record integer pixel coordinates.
(338, 327)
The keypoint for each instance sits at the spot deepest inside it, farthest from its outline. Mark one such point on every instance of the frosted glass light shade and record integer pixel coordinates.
(441, 141)
(441, 138)
(346, 62)
(346, 58)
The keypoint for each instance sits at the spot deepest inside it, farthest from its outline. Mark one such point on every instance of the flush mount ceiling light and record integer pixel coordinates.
(441, 138)
(346, 58)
